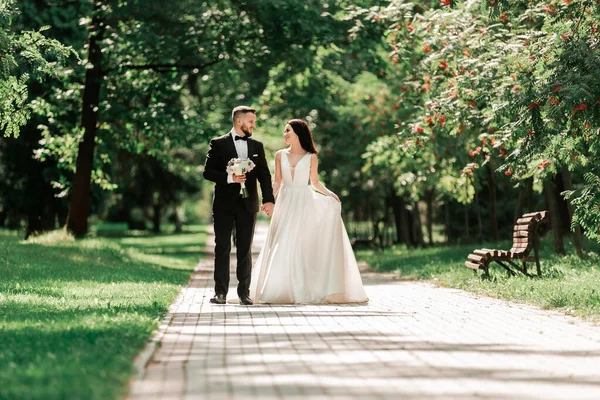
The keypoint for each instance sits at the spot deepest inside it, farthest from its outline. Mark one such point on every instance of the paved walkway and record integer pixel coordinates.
(412, 341)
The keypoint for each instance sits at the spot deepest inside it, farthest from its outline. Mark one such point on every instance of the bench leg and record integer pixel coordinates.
(525, 267)
(486, 272)
(522, 270)
(507, 268)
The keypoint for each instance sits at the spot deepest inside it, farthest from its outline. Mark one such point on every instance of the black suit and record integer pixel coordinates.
(230, 208)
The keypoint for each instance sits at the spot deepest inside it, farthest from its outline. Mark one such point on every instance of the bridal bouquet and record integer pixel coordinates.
(240, 166)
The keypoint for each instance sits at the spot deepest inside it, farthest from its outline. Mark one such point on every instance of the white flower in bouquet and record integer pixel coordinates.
(240, 166)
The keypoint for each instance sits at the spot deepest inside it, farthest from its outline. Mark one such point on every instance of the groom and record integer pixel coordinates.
(229, 208)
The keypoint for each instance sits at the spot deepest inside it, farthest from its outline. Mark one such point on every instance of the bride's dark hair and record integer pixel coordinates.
(303, 131)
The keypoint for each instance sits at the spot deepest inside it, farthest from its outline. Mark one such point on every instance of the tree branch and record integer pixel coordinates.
(168, 67)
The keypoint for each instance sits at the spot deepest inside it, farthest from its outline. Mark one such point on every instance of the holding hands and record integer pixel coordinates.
(267, 208)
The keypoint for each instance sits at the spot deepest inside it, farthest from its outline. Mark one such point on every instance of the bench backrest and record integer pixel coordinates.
(525, 231)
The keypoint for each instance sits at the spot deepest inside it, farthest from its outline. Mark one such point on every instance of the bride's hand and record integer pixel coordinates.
(335, 197)
(267, 208)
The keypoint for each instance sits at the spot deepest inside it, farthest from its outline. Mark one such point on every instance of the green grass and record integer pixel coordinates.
(569, 283)
(73, 314)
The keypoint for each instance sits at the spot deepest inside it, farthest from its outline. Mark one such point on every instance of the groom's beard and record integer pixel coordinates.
(246, 131)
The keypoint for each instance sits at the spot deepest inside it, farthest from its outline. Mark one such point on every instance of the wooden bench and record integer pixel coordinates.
(526, 233)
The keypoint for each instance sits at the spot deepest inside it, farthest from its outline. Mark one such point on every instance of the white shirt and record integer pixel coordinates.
(241, 147)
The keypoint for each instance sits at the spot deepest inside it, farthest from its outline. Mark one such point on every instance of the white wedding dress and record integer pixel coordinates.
(307, 257)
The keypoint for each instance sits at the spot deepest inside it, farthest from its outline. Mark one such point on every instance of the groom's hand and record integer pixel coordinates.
(267, 208)
(239, 178)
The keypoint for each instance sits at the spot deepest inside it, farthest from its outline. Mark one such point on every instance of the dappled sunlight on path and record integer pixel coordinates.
(412, 341)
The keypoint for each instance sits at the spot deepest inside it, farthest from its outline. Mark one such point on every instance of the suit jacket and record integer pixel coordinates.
(220, 152)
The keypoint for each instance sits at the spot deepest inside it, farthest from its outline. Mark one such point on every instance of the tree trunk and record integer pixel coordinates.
(550, 192)
(62, 211)
(39, 221)
(407, 217)
(492, 203)
(429, 195)
(49, 207)
(156, 217)
(525, 200)
(563, 206)
(417, 227)
(126, 210)
(396, 214)
(467, 222)
(41, 214)
(402, 229)
(529, 200)
(79, 207)
(388, 234)
(576, 234)
(179, 217)
(479, 221)
(520, 204)
(377, 234)
(447, 220)
(372, 223)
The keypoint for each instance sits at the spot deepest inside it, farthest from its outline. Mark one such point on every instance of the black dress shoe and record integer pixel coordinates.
(246, 301)
(219, 299)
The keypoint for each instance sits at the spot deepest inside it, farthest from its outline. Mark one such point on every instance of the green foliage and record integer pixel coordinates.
(171, 73)
(22, 51)
(512, 84)
(74, 314)
(587, 201)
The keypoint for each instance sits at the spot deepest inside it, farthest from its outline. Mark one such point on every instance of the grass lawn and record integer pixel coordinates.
(570, 284)
(73, 314)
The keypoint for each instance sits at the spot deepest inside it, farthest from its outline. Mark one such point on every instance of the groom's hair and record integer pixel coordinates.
(240, 110)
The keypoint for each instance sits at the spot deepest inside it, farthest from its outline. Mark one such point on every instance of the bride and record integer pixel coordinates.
(307, 257)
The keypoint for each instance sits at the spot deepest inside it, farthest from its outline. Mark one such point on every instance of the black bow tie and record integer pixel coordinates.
(241, 138)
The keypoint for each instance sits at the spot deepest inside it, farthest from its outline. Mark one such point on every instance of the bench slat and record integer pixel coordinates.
(526, 220)
(493, 252)
(537, 214)
(520, 248)
(483, 253)
(523, 227)
(476, 258)
(471, 265)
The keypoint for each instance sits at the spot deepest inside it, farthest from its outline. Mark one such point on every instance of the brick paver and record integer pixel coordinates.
(412, 341)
